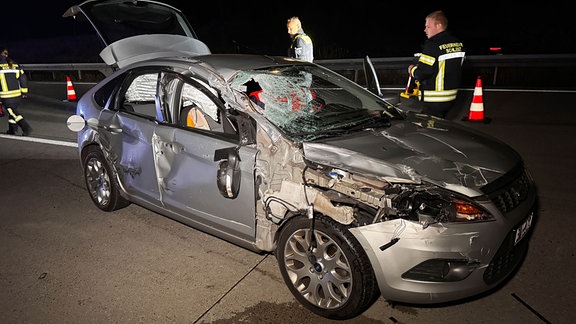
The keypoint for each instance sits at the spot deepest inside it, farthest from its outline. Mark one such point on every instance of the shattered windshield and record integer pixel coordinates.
(308, 102)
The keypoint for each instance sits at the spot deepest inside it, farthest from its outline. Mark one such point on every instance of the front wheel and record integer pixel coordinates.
(334, 278)
(100, 182)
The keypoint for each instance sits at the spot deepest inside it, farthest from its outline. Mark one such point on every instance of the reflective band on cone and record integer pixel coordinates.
(70, 89)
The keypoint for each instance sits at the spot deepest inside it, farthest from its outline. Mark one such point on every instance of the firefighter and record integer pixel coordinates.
(439, 66)
(301, 46)
(14, 87)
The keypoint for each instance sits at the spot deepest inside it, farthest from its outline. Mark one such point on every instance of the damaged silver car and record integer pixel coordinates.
(355, 197)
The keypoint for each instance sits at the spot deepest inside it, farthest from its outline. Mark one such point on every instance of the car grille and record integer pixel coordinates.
(513, 195)
(506, 259)
(508, 193)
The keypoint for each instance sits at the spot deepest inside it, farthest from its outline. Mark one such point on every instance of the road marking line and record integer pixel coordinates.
(39, 140)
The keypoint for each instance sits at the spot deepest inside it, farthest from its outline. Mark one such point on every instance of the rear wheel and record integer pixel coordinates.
(101, 185)
(334, 279)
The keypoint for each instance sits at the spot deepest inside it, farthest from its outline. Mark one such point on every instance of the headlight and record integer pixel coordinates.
(432, 205)
(465, 211)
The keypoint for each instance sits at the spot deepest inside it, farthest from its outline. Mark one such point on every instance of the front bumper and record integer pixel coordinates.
(445, 262)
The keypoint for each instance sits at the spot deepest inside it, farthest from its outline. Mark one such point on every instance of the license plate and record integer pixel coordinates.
(523, 229)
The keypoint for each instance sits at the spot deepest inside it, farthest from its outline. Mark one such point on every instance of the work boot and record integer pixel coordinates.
(27, 132)
(12, 129)
(26, 129)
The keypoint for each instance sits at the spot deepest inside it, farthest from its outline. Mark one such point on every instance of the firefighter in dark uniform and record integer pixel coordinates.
(301, 46)
(14, 87)
(439, 67)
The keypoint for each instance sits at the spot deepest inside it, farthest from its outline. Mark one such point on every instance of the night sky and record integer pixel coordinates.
(36, 32)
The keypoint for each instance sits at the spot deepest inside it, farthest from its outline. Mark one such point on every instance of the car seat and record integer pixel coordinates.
(191, 116)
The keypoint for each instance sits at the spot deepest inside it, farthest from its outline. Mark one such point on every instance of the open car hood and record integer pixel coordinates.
(135, 30)
(419, 149)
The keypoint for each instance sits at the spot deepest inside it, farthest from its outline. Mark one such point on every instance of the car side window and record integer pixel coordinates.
(191, 103)
(103, 94)
(197, 110)
(140, 95)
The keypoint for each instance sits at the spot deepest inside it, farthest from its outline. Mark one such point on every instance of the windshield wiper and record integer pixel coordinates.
(380, 122)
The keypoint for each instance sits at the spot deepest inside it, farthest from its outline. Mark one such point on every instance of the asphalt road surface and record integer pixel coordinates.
(64, 261)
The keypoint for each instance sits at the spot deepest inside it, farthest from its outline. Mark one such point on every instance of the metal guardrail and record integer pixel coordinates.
(57, 72)
(511, 71)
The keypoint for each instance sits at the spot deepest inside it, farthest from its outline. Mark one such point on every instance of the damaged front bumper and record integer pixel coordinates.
(443, 262)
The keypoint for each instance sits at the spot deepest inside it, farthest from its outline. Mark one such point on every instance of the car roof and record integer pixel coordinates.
(134, 30)
(225, 65)
(228, 64)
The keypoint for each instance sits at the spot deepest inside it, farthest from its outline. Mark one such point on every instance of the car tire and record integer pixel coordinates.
(339, 283)
(101, 185)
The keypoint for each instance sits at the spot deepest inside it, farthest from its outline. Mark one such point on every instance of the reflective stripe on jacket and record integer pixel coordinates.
(13, 81)
(439, 68)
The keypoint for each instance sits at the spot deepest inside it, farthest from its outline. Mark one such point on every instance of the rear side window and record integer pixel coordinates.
(140, 95)
(103, 94)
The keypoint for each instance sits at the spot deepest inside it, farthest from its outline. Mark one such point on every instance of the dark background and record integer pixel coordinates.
(36, 32)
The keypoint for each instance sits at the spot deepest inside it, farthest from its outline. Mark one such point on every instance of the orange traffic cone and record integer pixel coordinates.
(477, 106)
(70, 89)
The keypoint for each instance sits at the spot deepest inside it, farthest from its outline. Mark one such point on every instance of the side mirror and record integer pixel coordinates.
(228, 177)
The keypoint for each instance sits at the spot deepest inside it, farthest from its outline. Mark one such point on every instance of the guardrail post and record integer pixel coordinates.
(495, 75)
